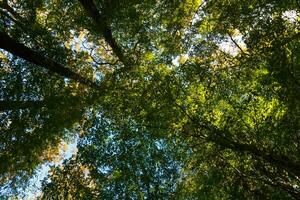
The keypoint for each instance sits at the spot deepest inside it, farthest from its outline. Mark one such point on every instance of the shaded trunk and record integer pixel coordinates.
(9, 44)
(280, 161)
(104, 29)
(16, 105)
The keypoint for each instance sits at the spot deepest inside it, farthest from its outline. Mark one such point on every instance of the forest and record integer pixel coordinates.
(150, 99)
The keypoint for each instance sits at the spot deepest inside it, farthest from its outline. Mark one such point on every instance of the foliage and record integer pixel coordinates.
(170, 99)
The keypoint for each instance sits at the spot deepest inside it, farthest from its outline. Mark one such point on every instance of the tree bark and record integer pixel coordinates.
(104, 29)
(280, 161)
(16, 105)
(9, 44)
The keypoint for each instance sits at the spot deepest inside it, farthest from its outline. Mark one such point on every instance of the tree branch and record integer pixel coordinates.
(237, 45)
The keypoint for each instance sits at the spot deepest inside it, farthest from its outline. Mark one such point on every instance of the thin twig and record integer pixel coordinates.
(237, 45)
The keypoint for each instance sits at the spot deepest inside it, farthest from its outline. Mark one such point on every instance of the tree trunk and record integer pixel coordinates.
(280, 161)
(104, 29)
(16, 105)
(9, 44)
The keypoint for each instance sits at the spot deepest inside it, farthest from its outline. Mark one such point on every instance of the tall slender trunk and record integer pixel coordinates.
(16, 105)
(9, 44)
(279, 161)
(104, 29)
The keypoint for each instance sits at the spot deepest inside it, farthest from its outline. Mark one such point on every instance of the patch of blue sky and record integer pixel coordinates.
(229, 46)
(33, 190)
(291, 16)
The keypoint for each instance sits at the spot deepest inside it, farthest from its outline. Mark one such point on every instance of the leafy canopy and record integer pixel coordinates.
(168, 99)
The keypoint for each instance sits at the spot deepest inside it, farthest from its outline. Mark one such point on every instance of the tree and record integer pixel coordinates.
(198, 98)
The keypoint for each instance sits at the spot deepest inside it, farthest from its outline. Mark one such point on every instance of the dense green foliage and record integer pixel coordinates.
(181, 99)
